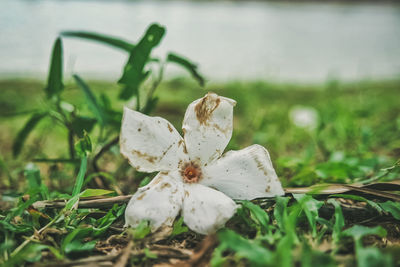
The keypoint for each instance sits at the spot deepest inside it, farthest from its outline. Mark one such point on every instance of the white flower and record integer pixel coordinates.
(304, 117)
(193, 177)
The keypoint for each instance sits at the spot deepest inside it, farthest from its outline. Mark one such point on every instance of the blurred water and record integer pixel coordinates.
(246, 40)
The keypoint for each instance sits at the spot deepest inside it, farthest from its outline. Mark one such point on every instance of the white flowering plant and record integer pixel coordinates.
(195, 178)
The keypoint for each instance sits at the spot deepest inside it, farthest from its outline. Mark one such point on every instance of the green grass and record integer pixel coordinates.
(357, 135)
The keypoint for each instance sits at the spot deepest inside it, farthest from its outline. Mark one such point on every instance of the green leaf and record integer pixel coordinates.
(106, 221)
(358, 231)
(80, 177)
(32, 173)
(149, 255)
(134, 73)
(95, 192)
(25, 131)
(280, 211)
(83, 146)
(258, 213)
(243, 248)
(315, 258)
(145, 181)
(189, 66)
(178, 228)
(54, 81)
(30, 253)
(73, 242)
(101, 38)
(310, 207)
(372, 257)
(94, 107)
(392, 208)
(141, 231)
(339, 221)
(80, 124)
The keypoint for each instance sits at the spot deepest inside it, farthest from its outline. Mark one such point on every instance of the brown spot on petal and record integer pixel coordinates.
(225, 131)
(181, 142)
(157, 180)
(170, 128)
(260, 165)
(186, 193)
(145, 156)
(206, 107)
(165, 185)
(141, 196)
(268, 189)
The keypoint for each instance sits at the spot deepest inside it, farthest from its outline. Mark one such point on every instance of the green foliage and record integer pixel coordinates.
(55, 78)
(189, 66)
(392, 208)
(73, 242)
(32, 174)
(141, 231)
(310, 206)
(101, 38)
(258, 215)
(178, 228)
(84, 146)
(134, 73)
(339, 221)
(94, 107)
(370, 257)
(243, 248)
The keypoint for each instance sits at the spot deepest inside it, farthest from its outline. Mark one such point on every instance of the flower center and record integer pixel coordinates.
(191, 172)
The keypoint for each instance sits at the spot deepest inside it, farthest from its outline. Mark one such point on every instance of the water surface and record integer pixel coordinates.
(246, 40)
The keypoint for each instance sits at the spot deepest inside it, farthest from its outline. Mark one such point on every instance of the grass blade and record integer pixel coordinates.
(25, 131)
(94, 107)
(80, 177)
(189, 66)
(54, 82)
(104, 39)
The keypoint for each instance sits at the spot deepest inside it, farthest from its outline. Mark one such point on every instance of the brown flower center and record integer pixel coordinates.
(191, 172)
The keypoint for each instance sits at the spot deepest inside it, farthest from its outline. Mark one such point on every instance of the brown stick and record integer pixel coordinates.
(126, 253)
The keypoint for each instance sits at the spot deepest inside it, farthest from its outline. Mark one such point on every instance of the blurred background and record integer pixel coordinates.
(241, 40)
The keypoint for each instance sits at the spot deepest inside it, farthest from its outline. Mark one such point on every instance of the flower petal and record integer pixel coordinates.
(208, 127)
(150, 143)
(158, 202)
(205, 209)
(244, 174)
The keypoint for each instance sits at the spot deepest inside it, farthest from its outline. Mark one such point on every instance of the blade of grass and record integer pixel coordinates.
(189, 66)
(80, 177)
(94, 107)
(54, 82)
(101, 38)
